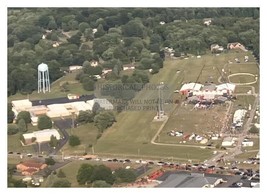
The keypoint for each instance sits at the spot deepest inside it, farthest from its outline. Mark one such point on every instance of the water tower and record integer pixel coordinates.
(43, 78)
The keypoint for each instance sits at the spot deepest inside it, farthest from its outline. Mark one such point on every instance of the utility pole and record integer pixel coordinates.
(93, 151)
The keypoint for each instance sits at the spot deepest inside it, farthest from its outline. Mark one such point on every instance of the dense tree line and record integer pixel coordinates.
(102, 176)
(116, 36)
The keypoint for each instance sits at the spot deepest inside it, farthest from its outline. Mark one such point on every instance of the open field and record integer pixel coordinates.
(132, 133)
(201, 121)
(87, 134)
(13, 142)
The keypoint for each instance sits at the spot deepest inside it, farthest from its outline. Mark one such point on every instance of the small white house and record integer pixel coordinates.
(128, 67)
(247, 142)
(75, 67)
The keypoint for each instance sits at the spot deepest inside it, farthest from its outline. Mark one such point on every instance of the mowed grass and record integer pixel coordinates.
(202, 122)
(132, 134)
(14, 144)
(87, 135)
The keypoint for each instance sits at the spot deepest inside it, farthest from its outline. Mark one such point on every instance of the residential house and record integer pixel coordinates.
(75, 67)
(94, 63)
(215, 48)
(207, 21)
(236, 45)
(129, 66)
(30, 167)
(105, 72)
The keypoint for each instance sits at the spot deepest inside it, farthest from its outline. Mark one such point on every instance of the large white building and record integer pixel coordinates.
(41, 136)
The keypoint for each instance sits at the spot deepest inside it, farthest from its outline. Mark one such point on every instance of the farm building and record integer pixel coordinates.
(238, 118)
(186, 88)
(104, 103)
(30, 167)
(228, 141)
(41, 136)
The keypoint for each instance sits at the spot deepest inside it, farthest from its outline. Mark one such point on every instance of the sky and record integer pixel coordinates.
(124, 3)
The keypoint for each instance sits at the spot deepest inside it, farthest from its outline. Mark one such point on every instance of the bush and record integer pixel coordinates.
(50, 161)
(74, 140)
(12, 129)
(254, 130)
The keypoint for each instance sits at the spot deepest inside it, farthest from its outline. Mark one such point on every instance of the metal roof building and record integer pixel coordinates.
(187, 180)
(104, 103)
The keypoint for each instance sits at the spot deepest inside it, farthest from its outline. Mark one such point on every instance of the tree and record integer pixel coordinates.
(84, 173)
(104, 173)
(74, 140)
(50, 161)
(133, 28)
(100, 184)
(104, 120)
(24, 115)
(19, 183)
(22, 125)
(254, 130)
(85, 117)
(53, 141)
(12, 129)
(10, 113)
(61, 174)
(76, 39)
(61, 183)
(43, 21)
(96, 108)
(44, 122)
(83, 26)
(125, 175)
(88, 84)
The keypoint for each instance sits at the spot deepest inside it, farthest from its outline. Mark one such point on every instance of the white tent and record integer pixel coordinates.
(191, 86)
(239, 116)
(226, 86)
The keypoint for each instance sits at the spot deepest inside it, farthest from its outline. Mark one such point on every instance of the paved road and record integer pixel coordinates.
(62, 125)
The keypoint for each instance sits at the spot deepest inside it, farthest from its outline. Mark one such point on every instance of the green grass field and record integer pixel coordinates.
(87, 134)
(132, 133)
